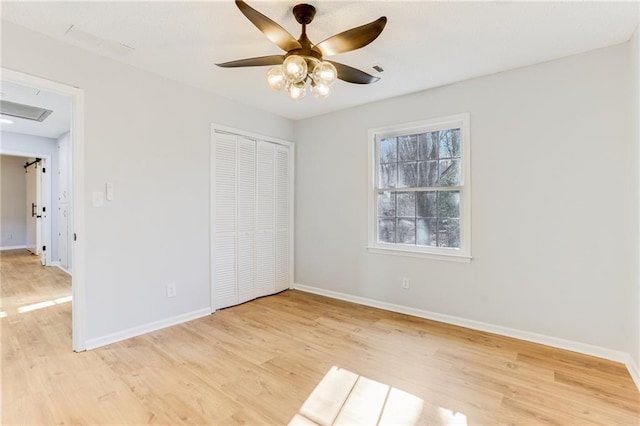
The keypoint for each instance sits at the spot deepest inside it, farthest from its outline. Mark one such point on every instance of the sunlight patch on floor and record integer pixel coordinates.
(345, 398)
(45, 304)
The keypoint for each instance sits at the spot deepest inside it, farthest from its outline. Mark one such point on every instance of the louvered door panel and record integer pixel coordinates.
(265, 242)
(246, 266)
(225, 183)
(246, 218)
(282, 255)
(264, 186)
(246, 184)
(224, 271)
(265, 257)
(224, 222)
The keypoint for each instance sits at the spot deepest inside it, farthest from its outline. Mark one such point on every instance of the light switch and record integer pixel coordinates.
(97, 199)
(109, 191)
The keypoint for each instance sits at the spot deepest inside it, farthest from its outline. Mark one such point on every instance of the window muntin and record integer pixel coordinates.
(420, 190)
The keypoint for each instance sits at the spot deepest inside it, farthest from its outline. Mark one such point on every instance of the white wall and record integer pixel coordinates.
(13, 201)
(634, 69)
(552, 206)
(37, 146)
(150, 137)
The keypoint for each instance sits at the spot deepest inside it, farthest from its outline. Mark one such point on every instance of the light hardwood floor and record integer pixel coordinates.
(258, 362)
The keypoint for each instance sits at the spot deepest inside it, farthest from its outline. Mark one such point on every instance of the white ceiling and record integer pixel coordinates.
(56, 124)
(424, 45)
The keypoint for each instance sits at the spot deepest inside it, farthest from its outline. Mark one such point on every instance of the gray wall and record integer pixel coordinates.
(13, 199)
(634, 299)
(554, 211)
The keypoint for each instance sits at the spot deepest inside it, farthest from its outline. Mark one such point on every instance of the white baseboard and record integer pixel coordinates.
(59, 266)
(13, 247)
(570, 345)
(146, 328)
(634, 371)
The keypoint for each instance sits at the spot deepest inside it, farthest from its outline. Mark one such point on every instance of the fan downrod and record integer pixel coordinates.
(304, 13)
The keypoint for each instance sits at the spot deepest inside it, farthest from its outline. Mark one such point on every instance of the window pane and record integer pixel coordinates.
(388, 175)
(449, 204)
(449, 172)
(406, 231)
(386, 204)
(428, 173)
(406, 204)
(388, 150)
(426, 204)
(426, 232)
(449, 141)
(387, 230)
(449, 233)
(427, 147)
(407, 148)
(407, 175)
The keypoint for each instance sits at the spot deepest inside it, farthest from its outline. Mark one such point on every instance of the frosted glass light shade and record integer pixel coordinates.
(275, 77)
(320, 90)
(297, 90)
(325, 73)
(295, 68)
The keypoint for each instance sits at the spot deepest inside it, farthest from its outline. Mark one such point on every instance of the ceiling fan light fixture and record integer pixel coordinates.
(320, 90)
(325, 73)
(297, 90)
(295, 68)
(276, 78)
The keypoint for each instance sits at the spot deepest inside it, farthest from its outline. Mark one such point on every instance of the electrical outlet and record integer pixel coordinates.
(171, 290)
(405, 283)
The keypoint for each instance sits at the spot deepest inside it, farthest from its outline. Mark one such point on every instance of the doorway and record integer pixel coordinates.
(73, 212)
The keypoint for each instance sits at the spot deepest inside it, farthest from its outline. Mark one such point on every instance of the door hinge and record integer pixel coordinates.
(74, 236)
(44, 209)
(44, 170)
(44, 248)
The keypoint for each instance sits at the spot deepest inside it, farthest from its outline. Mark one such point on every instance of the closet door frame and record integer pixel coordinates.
(291, 146)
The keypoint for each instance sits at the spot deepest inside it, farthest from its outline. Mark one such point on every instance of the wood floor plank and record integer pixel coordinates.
(257, 363)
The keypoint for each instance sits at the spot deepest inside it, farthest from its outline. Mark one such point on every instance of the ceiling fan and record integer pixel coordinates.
(303, 61)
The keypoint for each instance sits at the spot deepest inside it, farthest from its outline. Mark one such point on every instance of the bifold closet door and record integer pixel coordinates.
(251, 223)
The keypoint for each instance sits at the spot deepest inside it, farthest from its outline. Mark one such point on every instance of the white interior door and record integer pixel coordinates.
(34, 198)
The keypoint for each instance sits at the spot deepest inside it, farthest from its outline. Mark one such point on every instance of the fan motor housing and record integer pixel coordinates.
(304, 13)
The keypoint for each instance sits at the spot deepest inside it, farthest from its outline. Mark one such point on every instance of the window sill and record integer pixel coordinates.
(459, 258)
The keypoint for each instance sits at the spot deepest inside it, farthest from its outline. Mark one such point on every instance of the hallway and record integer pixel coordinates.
(27, 286)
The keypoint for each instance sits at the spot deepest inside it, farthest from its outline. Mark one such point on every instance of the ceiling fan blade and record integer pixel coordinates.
(273, 31)
(353, 75)
(259, 61)
(352, 39)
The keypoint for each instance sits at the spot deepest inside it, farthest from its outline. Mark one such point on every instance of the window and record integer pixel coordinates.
(419, 198)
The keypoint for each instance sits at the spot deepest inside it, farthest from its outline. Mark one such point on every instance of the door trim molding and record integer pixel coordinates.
(77, 142)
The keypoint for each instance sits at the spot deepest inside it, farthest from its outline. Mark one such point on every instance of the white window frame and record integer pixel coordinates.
(462, 254)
